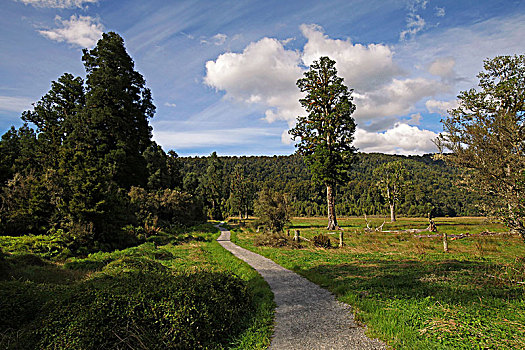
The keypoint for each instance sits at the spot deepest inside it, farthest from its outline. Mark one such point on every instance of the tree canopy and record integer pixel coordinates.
(486, 134)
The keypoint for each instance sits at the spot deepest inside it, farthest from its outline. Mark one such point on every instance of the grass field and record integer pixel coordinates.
(31, 283)
(408, 291)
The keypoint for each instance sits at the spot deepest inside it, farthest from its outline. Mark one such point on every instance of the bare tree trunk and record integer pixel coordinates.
(332, 220)
(392, 212)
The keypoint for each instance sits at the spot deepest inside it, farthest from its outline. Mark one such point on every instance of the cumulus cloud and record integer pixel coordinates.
(396, 98)
(401, 139)
(440, 107)
(83, 31)
(171, 105)
(264, 73)
(15, 103)
(62, 4)
(362, 67)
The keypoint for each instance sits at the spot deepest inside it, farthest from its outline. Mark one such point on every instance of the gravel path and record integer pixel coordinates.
(307, 316)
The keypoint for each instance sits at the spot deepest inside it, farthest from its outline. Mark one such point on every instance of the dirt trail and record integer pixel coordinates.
(307, 316)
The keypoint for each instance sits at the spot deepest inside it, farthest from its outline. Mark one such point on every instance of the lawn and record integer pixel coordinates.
(408, 291)
(187, 291)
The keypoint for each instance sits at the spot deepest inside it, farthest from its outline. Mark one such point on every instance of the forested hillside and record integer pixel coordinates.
(433, 186)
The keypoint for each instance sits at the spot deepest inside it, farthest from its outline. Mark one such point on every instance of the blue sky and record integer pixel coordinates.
(223, 73)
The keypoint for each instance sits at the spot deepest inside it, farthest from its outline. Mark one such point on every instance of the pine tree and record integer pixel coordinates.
(326, 133)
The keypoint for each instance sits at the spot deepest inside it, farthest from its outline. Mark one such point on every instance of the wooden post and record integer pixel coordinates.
(296, 236)
(445, 242)
(341, 243)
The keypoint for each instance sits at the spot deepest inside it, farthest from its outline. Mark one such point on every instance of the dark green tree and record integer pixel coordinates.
(54, 116)
(326, 133)
(241, 192)
(486, 134)
(392, 179)
(213, 184)
(118, 106)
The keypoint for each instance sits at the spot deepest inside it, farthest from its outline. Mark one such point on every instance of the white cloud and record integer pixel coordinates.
(363, 67)
(15, 103)
(396, 98)
(58, 3)
(443, 67)
(171, 105)
(401, 139)
(415, 23)
(218, 39)
(83, 31)
(264, 73)
(440, 107)
(440, 11)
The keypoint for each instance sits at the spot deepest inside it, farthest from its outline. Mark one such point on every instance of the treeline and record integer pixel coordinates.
(432, 187)
(84, 166)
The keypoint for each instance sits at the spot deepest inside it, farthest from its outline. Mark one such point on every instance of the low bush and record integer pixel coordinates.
(129, 302)
(322, 241)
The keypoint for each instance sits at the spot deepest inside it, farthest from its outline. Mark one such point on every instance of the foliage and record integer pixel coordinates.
(486, 135)
(272, 210)
(166, 207)
(434, 185)
(322, 241)
(326, 134)
(172, 296)
(91, 145)
(391, 180)
(275, 240)
(241, 192)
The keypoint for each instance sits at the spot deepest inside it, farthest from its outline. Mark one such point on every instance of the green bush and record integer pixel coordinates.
(156, 310)
(131, 301)
(322, 241)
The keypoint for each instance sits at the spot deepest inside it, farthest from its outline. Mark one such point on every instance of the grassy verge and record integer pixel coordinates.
(408, 291)
(189, 293)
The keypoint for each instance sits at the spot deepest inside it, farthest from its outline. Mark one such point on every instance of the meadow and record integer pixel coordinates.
(407, 290)
(182, 291)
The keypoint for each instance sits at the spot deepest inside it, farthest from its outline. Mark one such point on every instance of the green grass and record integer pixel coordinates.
(408, 291)
(30, 283)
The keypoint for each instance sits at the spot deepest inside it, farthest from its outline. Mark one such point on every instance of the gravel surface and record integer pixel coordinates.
(307, 316)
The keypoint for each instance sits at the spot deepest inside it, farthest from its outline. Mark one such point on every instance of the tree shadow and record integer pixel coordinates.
(450, 281)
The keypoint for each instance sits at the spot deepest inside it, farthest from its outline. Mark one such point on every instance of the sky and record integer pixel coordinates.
(223, 73)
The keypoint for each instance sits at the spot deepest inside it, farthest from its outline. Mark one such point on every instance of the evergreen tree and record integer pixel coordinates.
(118, 106)
(326, 133)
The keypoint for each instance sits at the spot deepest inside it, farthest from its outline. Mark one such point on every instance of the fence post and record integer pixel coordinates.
(445, 242)
(296, 236)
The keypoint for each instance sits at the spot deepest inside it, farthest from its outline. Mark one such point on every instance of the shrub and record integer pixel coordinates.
(272, 209)
(129, 302)
(322, 241)
(158, 311)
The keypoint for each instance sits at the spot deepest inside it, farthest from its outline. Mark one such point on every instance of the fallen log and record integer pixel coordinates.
(465, 235)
